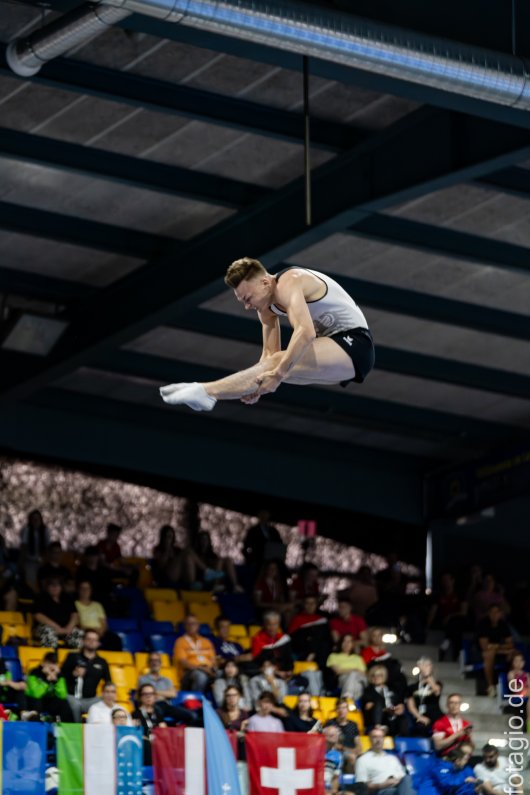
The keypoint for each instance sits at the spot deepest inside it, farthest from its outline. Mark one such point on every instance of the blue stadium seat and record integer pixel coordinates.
(150, 627)
(417, 766)
(15, 669)
(412, 745)
(163, 643)
(9, 652)
(122, 624)
(132, 641)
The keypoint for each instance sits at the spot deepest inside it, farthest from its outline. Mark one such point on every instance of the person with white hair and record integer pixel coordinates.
(423, 699)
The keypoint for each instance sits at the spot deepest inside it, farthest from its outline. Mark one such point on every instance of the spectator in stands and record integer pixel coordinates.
(111, 557)
(309, 632)
(214, 570)
(518, 678)
(264, 720)
(262, 542)
(423, 699)
(268, 681)
(348, 667)
(225, 648)
(148, 715)
(270, 591)
(101, 710)
(233, 717)
(272, 644)
(363, 591)
(305, 583)
(52, 568)
(348, 623)
(449, 613)
(376, 653)
(168, 564)
(34, 541)
(496, 644)
(348, 734)
(56, 618)
(120, 717)
(83, 671)
(164, 687)
(491, 771)
(92, 616)
(230, 675)
(453, 775)
(490, 593)
(300, 719)
(333, 760)
(381, 771)
(194, 656)
(46, 690)
(452, 730)
(93, 571)
(381, 706)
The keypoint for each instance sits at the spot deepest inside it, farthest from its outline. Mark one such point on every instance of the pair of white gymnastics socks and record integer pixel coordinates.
(193, 395)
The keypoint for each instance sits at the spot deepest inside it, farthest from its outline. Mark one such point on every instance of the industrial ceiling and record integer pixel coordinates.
(136, 167)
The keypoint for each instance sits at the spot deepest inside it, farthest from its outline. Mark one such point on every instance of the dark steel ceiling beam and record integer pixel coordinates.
(165, 97)
(129, 171)
(81, 232)
(45, 288)
(398, 231)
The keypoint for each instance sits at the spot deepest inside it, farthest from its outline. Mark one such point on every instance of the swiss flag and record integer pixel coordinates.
(285, 763)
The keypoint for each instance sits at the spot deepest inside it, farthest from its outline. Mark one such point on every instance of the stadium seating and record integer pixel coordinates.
(122, 624)
(132, 641)
(168, 611)
(141, 661)
(153, 595)
(388, 743)
(31, 656)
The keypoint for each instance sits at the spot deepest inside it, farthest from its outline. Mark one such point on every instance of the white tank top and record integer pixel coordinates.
(336, 311)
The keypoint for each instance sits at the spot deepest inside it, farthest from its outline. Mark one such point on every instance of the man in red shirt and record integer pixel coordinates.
(347, 623)
(271, 643)
(452, 730)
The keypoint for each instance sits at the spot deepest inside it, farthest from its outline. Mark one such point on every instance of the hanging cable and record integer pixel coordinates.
(307, 143)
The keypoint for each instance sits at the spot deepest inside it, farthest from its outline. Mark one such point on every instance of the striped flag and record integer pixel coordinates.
(179, 761)
(99, 759)
(23, 751)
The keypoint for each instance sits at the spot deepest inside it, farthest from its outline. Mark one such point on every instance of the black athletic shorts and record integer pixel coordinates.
(359, 345)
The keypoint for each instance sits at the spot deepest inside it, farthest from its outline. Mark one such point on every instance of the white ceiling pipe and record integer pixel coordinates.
(345, 39)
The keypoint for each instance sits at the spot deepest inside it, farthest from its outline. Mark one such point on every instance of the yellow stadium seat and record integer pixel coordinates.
(253, 630)
(328, 705)
(125, 704)
(15, 631)
(206, 613)
(238, 631)
(302, 665)
(202, 597)
(159, 595)
(244, 642)
(169, 611)
(141, 661)
(117, 657)
(145, 576)
(31, 656)
(388, 743)
(125, 677)
(11, 617)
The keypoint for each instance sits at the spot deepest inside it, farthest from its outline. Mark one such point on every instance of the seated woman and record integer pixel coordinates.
(230, 676)
(56, 618)
(92, 616)
(46, 690)
(423, 699)
(233, 717)
(349, 667)
(376, 653)
(148, 715)
(519, 679)
(381, 706)
(207, 565)
(300, 719)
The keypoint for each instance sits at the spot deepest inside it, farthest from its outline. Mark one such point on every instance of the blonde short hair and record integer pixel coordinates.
(241, 269)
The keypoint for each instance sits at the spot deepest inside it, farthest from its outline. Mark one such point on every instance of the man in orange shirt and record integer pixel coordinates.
(194, 656)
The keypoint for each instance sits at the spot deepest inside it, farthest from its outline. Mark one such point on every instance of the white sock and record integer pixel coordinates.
(193, 395)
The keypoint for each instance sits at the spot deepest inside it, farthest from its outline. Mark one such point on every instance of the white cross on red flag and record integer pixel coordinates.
(285, 763)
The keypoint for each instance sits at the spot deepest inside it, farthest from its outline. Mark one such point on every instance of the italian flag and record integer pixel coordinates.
(96, 759)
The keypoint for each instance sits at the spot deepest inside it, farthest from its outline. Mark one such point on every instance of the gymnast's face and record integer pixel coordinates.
(255, 293)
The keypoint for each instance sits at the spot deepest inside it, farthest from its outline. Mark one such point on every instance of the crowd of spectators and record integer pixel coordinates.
(299, 654)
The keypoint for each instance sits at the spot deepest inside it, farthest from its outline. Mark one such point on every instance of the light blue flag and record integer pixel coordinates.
(221, 766)
(129, 760)
(23, 758)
